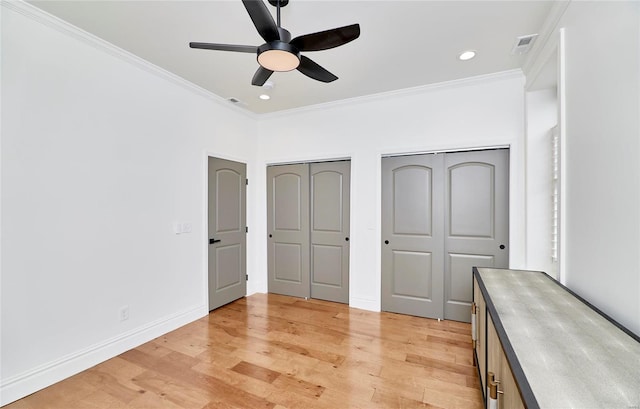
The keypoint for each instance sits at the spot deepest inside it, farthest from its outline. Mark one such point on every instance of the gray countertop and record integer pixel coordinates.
(572, 356)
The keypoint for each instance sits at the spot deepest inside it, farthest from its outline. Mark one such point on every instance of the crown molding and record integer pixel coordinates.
(464, 82)
(546, 40)
(34, 13)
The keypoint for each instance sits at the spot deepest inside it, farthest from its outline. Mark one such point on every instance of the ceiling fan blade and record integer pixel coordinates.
(225, 47)
(313, 70)
(262, 19)
(261, 76)
(324, 40)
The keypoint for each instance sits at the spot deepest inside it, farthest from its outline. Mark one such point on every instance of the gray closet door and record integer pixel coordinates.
(476, 222)
(330, 184)
(288, 229)
(412, 234)
(227, 231)
(441, 215)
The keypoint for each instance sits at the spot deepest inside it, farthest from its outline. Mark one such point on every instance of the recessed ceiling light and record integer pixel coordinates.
(467, 55)
(266, 91)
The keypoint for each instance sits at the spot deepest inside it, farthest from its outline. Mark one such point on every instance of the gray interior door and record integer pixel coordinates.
(330, 184)
(412, 234)
(442, 214)
(476, 222)
(288, 229)
(227, 232)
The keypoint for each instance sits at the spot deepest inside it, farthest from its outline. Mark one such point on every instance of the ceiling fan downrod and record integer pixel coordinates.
(285, 35)
(278, 4)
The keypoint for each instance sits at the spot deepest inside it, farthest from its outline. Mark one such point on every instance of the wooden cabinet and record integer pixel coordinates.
(547, 347)
(490, 357)
(480, 352)
(497, 363)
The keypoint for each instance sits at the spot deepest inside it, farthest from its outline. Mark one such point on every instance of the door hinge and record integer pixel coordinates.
(247, 182)
(247, 277)
(246, 229)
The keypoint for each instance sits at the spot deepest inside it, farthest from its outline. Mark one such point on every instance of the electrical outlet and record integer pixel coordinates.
(124, 313)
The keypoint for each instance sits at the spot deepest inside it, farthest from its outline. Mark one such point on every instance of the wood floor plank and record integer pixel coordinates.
(256, 371)
(166, 388)
(299, 386)
(335, 359)
(273, 351)
(248, 384)
(440, 398)
(467, 370)
(390, 399)
(176, 368)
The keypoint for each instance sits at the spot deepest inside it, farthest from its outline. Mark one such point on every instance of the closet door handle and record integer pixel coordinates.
(214, 241)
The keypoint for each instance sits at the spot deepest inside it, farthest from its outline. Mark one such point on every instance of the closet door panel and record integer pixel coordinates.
(330, 206)
(476, 222)
(288, 229)
(412, 231)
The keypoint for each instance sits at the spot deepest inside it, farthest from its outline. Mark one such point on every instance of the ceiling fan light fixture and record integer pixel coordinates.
(278, 56)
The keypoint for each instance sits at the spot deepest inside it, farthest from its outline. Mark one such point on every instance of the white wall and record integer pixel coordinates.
(542, 115)
(602, 54)
(473, 113)
(101, 154)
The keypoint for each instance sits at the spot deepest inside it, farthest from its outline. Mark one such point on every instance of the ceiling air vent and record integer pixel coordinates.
(235, 101)
(523, 44)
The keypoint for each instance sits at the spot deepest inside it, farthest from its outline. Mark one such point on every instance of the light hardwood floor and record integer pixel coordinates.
(272, 351)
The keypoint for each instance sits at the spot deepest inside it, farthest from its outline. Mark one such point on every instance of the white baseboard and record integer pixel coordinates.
(365, 304)
(28, 382)
(254, 287)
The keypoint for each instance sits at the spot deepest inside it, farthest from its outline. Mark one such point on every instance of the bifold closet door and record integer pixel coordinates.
(412, 232)
(330, 183)
(308, 228)
(288, 229)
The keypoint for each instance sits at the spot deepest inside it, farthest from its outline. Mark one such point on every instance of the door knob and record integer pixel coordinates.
(502, 247)
(386, 242)
(214, 241)
(271, 235)
(346, 239)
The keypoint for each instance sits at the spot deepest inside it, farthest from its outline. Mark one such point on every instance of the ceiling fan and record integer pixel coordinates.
(280, 52)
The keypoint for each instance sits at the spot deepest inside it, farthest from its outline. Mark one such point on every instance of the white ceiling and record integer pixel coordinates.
(403, 44)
